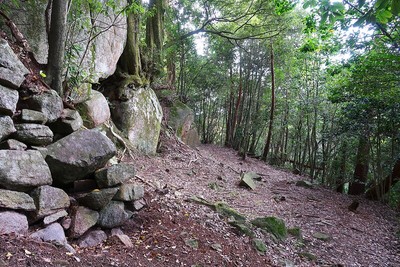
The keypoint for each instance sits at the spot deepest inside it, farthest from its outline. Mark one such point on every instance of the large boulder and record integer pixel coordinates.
(33, 134)
(78, 154)
(6, 127)
(8, 101)
(101, 57)
(23, 170)
(95, 110)
(48, 102)
(12, 71)
(16, 200)
(13, 222)
(139, 117)
(181, 119)
(49, 200)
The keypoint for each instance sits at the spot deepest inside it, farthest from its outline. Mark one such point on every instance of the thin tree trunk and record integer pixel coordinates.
(57, 36)
(271, 114)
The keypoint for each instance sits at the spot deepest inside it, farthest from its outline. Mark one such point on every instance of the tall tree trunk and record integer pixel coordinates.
(57, 36)
(130, 60)
(357, 187)
(155, 35)
(271, 114)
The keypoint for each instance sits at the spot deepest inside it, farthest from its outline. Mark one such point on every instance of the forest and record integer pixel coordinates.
(297, 99)
(311, 86)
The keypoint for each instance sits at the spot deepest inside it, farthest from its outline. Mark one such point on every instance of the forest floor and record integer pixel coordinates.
(172, 231)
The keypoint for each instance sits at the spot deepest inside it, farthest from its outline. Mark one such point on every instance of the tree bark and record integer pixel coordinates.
(377, 191)
(57, 36)
(271, 114)
(357, 187)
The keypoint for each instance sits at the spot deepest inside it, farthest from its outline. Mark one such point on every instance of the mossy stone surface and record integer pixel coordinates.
(259, 245)
(295, 231)
(272, 225)
(243, 228)
(228, 212)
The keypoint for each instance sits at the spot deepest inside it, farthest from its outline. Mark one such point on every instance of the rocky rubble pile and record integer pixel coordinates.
(55, 172)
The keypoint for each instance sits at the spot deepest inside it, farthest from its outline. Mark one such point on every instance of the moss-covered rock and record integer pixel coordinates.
(295, 231)
(243, 228)
(259, 245)
(138, 115)
(226, 211)
(272, 225)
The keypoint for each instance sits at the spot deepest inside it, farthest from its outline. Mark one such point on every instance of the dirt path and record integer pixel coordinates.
(174, 232)
(364, 238)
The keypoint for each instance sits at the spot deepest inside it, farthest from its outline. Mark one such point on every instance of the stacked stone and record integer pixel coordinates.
(44, 150)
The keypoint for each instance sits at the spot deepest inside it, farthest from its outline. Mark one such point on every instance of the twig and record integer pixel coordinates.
(146, 182)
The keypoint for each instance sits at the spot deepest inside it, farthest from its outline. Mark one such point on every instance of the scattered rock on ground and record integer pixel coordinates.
(92, 238)
(53, 233)
(272, 225)
(305, 184)
(247, 181)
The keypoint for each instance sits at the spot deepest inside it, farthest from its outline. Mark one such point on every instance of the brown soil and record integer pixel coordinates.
(161, 231)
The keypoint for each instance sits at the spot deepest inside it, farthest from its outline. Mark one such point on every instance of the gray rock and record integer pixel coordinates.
(54, 217)
(8, 100)
(135, 205)
(6, 127)
(82, 219)
(16, 171)
(12, 71)
(42, 150)
(16, 200)
(121, 237)
(305, 184)
(113, 215)
(115, 175)
(33, 134)
(98, 199)
(139, 118)
(69, 122)
(33, 116)
(49, 103)
(247, 181)
(80, 153)
(12, 144)
(129, 192)
(66, 222)
(13, 222)
(49, 200)
(92, 239)
(95, 110)
(53, 233)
